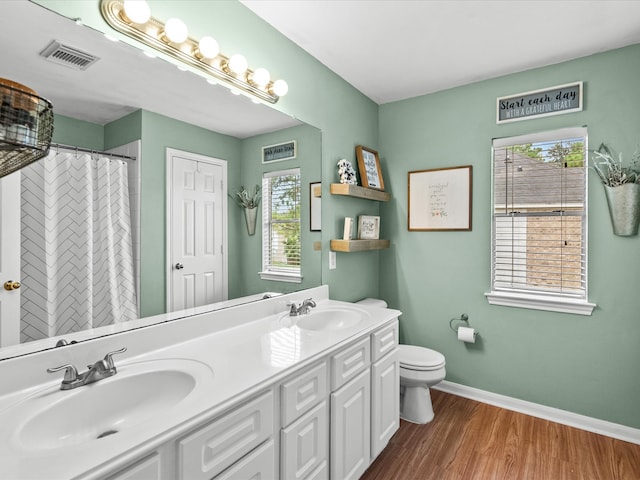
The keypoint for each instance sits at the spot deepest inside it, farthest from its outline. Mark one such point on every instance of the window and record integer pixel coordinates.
(281, 226)
(539, 231)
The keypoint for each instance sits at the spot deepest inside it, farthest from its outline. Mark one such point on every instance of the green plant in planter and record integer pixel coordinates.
(246, 199)
(613, 172)
(622, 189)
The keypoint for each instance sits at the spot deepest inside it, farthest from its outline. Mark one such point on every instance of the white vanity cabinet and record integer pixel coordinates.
(327, 420)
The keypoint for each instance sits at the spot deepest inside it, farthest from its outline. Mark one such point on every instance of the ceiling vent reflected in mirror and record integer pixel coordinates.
(71, 57)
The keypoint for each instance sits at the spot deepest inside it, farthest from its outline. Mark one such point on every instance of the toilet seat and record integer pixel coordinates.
(413, 357)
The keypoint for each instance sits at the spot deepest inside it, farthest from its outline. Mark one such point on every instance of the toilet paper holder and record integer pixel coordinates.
(464, 319)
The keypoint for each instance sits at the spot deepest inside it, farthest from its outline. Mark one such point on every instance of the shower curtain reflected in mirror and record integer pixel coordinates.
(77, 262)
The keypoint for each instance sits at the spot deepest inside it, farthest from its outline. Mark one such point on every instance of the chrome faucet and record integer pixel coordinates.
(101, 369)
(303, 309)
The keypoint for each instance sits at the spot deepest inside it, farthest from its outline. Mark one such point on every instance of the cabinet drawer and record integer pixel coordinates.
(146, 469)
(383, 341)
(211, 449)
(301, 393)
(304, 445)
(258, 464)
(348, 363)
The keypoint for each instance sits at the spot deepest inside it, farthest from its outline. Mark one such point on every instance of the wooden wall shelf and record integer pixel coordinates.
(359, 192)
(358, 245)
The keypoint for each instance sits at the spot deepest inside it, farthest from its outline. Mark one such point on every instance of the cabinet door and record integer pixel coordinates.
(304, 444)
(385, 401)
(350, 428)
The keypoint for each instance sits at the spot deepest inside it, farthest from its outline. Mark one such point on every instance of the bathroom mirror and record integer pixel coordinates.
(160, 90)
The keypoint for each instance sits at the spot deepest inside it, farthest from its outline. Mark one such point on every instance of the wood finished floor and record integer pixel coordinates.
(469, 440)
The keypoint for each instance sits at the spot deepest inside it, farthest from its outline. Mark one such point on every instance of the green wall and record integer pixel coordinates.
(69, 131)
(584, 364)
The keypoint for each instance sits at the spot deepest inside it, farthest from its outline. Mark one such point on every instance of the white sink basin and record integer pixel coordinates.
(330, 319)
(137, 393)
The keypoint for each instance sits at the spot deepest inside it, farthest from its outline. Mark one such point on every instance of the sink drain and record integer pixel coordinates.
(107, 433)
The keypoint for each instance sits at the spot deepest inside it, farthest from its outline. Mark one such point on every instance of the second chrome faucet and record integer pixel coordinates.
(303, 309)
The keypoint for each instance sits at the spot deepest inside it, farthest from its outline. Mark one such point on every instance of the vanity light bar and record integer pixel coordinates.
(153, 33)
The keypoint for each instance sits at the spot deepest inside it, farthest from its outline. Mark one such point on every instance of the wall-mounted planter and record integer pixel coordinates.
(624, 208)
(250, 215)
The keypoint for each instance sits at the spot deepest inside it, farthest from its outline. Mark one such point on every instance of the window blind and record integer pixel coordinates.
(539, 214)
(281, 222)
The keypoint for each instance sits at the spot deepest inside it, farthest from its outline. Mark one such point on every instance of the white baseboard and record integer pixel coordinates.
(614, 430)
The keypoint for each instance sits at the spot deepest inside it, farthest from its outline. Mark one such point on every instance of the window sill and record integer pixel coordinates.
(281, 277)
(535, 302)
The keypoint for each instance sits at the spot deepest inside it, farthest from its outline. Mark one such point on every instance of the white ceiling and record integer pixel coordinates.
(389, 50)
(396, 49)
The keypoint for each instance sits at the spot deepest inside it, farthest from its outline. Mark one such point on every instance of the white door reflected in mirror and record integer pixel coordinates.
(197, 214)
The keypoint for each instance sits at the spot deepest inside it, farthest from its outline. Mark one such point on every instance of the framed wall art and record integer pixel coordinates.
(282, 151)
(440, 199)
(369, 168)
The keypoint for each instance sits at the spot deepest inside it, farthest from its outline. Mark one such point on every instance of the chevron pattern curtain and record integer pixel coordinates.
(77, 262)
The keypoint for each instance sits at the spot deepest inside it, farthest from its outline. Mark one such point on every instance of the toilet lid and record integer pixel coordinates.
(413, 357)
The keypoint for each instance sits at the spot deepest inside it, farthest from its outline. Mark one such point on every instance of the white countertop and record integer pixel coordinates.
(247, 348)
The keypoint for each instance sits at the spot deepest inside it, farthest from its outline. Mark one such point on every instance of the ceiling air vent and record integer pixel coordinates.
(68, 56)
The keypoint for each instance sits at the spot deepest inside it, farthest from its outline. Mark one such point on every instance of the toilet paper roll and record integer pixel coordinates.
(467, 334)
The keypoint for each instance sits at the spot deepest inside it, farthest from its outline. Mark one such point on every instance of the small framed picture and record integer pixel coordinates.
(368, 227)
(369, 168)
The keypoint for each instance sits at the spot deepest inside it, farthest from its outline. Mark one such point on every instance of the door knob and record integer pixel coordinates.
(11, 285)
(179, 266)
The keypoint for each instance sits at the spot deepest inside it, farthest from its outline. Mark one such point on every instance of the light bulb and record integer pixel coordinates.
(238, 64)
(208, 47)
(176, 30)
(280, 88)
(261, 77)
(137, 11)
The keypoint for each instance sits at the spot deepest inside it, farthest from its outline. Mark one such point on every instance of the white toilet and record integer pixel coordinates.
(420, 368)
